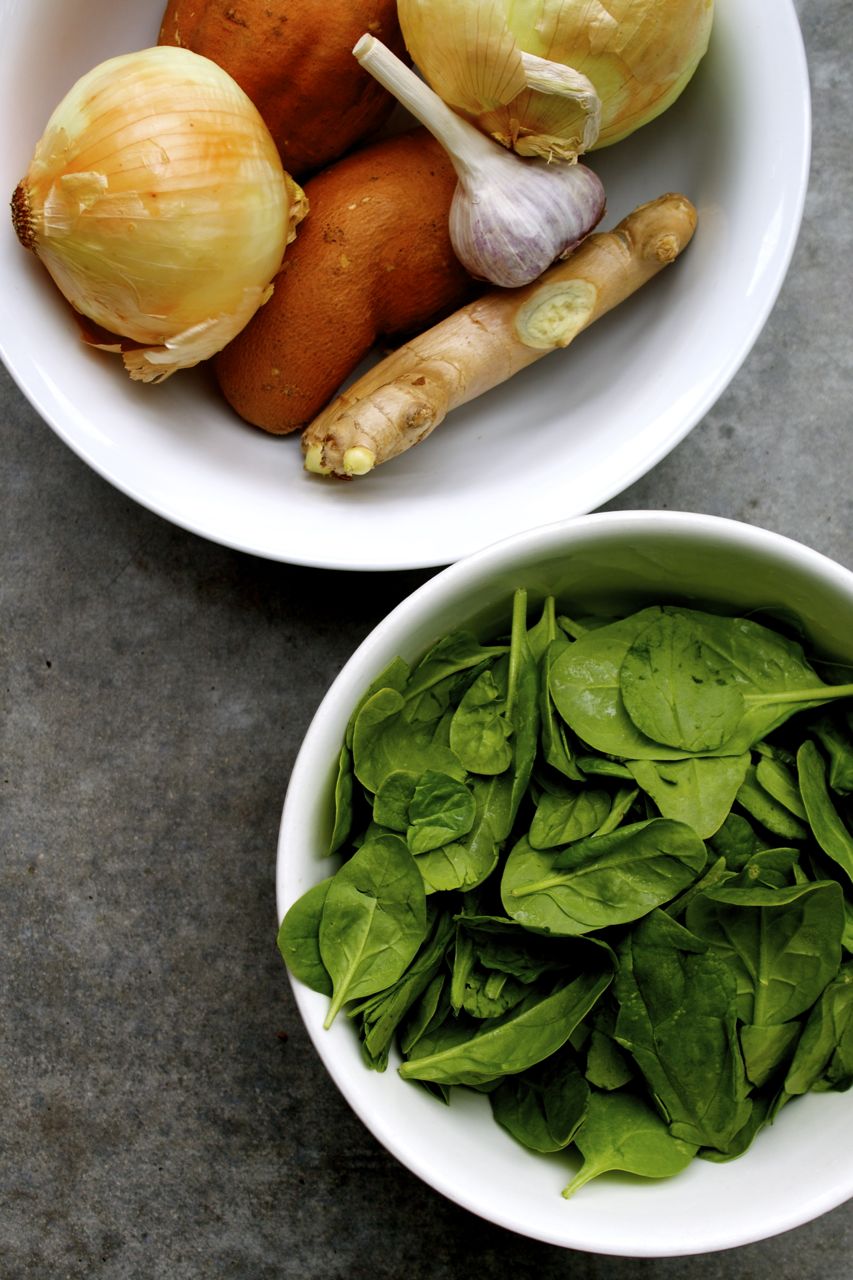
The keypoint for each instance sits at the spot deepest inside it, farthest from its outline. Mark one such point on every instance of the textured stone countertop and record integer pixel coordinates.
(163, 1112)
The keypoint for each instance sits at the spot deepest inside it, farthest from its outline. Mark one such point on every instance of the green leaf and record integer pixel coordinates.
(530, 1033)
(781, 783)
(700, 682)
(480, 730)
(385, 741)
(607, 1067)
(543, 1107)
(586, 691)
(298, 939)
(765, 1049)
(699, 791)
(383, 1013)
(824, 1056)
(466, 863)
(772, 815)
(454, 654)
(373, 921)
(678, 688)
(622, 1132)
(782, 945)
(826, 823)
(441, 809)
(568, 815)
(677, 1019)
(601, 881)
(835, 734)
(343, 801)
(392, 800)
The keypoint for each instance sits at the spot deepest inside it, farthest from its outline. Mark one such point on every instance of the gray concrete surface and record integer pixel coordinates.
(162, 1113)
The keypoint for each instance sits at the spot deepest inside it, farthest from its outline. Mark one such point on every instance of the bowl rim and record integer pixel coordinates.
(451, 584)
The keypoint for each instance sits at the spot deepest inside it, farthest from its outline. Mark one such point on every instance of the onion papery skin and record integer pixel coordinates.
(157, 201)
(638, 54)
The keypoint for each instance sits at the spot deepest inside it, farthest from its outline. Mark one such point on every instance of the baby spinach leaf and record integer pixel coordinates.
(772, 815)
(620, 807)
(544, 632)
(488, 995)
(392, 800)
(607, 1067)
(766, 1103)
(736, 841)
(394, 676)
(779, 781)
(384, 740)
(528, 1034)
(677, 687)
(835, 734)
(451, 655)
(601, 767)
(586, 691)
(441, 809)
(699, 791)
(620, 1131)
(343, 801)
(568, 815)
(770, 869)
(373, 921)
(382, 1014)
(298, 939)
(555, 747)
(542, 1108)
(480, 730)
(466, 863)
(522, 703)
(824, 1056)
(678, 1021)
(765, 1049)
(828, 828)
(601, 881)
(782, 945)
(700, 682)
(430, 1009)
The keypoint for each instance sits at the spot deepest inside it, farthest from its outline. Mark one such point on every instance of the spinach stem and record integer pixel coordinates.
(825, 694)
(518, 640)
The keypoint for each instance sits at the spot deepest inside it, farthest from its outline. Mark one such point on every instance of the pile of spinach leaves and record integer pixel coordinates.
(601, 871)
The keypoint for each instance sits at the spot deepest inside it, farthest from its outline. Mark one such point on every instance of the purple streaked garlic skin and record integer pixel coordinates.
(512, 226)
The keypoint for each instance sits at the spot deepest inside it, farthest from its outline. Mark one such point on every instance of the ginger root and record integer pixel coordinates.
(403, 398)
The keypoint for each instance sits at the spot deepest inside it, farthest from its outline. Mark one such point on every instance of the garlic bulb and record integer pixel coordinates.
(510, 218)
(157, 201)
(489, 59)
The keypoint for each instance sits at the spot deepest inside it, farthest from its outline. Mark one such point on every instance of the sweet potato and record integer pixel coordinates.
(372, 259)
(294, 60)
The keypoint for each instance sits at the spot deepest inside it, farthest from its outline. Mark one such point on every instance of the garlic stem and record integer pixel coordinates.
(468, 149)
(511, 216)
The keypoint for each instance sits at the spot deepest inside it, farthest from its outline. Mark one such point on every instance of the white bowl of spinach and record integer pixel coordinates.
(565, 878)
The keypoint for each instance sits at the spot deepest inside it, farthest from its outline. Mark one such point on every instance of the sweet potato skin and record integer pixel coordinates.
(372, 259)
(294, 60)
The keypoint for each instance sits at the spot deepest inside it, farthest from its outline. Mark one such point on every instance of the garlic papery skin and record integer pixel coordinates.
(157, 201)
(511, 217)
(637, 54)
(509, 231)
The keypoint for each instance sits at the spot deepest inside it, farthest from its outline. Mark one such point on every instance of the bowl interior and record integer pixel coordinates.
(802, 1166)
(555, 441)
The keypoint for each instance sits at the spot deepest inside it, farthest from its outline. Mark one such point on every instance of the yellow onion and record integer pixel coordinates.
(157, 201)
(554, 78)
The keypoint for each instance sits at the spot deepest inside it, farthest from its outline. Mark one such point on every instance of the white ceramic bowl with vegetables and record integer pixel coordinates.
(554, 440)
(590, 791)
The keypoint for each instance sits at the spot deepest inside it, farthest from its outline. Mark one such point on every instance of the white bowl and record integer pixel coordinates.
(800, 1167)
(556, 441)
